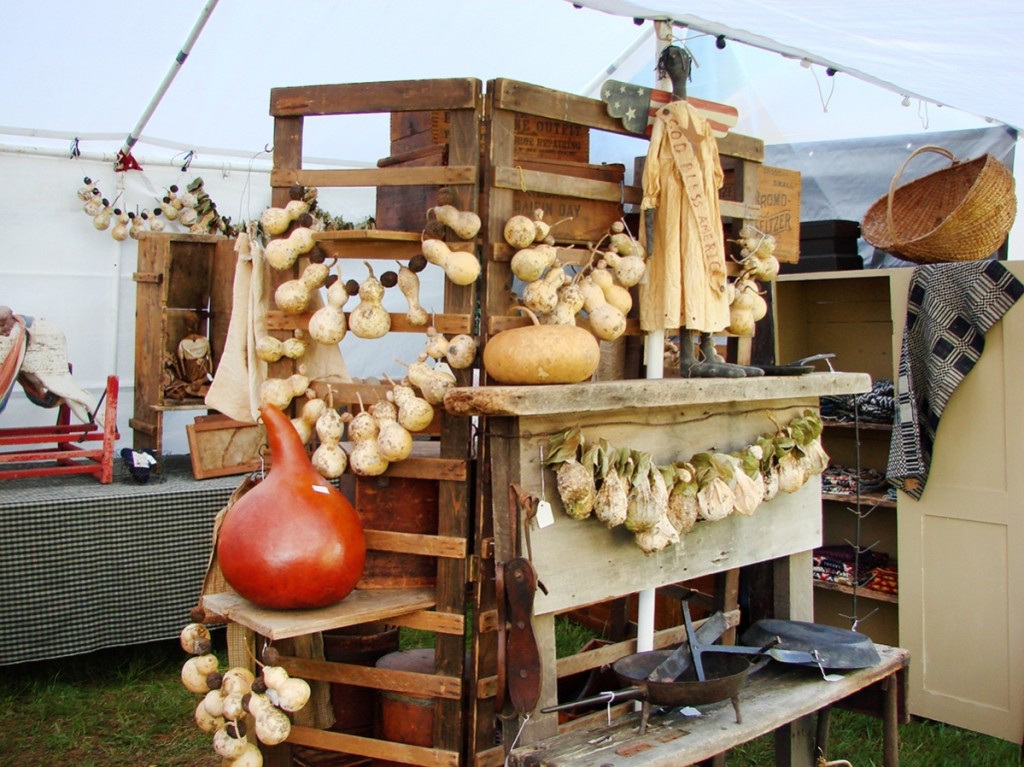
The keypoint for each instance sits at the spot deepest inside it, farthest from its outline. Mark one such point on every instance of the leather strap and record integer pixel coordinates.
(523, 655)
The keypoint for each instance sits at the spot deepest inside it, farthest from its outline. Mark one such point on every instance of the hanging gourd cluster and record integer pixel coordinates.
(238, 708)
(757, 264)
(661, 503)
(192, 210)
(382, 433)
(600, 288)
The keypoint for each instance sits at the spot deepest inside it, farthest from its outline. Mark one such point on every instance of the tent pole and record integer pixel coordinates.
(654, 351)
(179, 60)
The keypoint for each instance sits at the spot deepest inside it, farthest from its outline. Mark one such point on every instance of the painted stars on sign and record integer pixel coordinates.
(636, 106)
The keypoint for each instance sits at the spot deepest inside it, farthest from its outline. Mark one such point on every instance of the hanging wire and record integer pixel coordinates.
(859, 515)
(821, 94)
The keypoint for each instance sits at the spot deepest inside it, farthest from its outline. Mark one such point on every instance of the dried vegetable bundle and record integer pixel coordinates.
(661, 503)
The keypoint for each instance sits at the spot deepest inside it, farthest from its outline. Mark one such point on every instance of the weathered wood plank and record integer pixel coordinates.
(414, 543)
(411, 682)
(563, 186)
(377, 749)
(428, 620)
(357, 607)
(572, 556)
(427, 175)
(544, 102)
(614, 395)
(367, 98)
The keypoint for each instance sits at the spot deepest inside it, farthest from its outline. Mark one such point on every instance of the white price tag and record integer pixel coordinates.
(544, 515)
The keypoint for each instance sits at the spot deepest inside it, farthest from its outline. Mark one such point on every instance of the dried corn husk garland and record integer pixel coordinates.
(612, 497)
(659, 537)
(576, 486)
(660, 504)
(683, 510)
(644, 507)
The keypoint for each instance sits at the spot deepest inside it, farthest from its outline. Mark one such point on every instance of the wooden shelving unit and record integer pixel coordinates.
(858, 317)
(437, 477)
(468, 465)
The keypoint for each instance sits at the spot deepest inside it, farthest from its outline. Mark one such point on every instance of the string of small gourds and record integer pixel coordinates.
(192, 209)
(661, 503)
(238, 708)
(382, 433)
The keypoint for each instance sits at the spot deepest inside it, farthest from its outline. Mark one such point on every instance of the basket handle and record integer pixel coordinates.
(896, 179)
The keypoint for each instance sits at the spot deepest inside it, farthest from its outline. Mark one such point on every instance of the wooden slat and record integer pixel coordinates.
(532, 99)
(601, 656)
(367, 98)
(612, 395)
(416, 543)
(357, 745)
(410, 682)
(429, 620)
(741, 210)
(358, 607)
(427, 175)
(449, 324)
(564, 186)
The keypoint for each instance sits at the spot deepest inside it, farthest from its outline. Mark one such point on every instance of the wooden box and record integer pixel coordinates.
(536, 138)
(778, 194)
(183, 286)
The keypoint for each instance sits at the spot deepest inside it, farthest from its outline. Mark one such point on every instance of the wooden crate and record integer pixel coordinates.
(778, 194)
(536, 138)
(542, 145)
(183, 286)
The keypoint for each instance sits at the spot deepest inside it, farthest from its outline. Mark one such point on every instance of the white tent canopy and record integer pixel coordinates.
(964, 55)
(89, 70)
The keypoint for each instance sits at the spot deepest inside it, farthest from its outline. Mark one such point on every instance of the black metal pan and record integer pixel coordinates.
(724, 675)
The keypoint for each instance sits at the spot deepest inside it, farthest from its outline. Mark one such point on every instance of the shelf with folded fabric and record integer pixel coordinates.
(859, 319)
(860, 591)
(867, 500)
(863, 425)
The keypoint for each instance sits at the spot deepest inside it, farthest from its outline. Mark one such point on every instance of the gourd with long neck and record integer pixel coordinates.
(293, 541)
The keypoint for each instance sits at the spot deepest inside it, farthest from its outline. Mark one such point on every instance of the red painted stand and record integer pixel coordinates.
(66, 436)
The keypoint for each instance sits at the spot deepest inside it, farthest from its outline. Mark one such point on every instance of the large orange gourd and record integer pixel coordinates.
(293, 541)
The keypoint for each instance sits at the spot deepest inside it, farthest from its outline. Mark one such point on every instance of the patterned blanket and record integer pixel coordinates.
(950, 308)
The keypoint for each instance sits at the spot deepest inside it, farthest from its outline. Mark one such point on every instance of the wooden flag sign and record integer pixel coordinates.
(636, 106)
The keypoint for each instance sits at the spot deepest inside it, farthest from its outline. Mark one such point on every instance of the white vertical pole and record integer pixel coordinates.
(654, 351)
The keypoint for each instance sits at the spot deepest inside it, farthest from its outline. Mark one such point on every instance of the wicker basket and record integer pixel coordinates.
(959, 213)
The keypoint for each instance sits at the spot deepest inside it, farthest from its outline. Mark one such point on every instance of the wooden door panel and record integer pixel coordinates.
(961, 572)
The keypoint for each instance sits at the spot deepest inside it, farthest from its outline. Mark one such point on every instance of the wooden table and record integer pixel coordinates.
(772, 698)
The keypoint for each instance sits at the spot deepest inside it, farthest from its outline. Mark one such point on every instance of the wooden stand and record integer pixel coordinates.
(489, 437)
(770, 699)
(69, 458)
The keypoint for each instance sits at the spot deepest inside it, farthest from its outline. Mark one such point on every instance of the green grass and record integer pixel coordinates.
(124, 707)
(857, 738)
(107, 709)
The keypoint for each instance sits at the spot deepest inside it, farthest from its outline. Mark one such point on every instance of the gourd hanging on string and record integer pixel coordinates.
(156, 223)
(293, 541)
(101, 221)
(120, 230)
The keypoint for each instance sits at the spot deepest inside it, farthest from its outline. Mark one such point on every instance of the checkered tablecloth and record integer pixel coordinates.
(85, 566)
